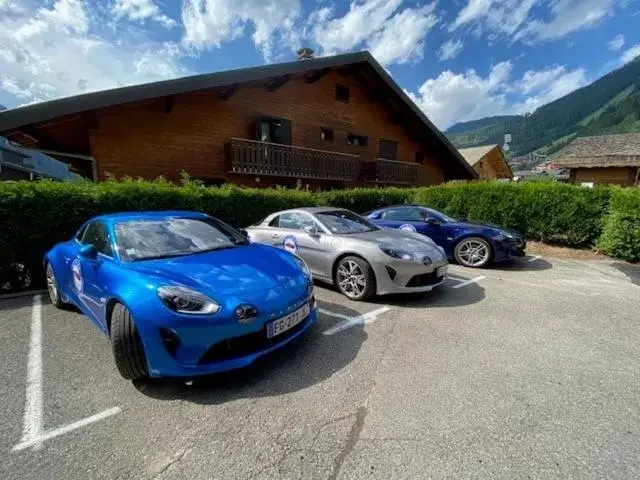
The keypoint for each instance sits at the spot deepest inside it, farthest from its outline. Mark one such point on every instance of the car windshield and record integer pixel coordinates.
(342, 222)
(173, 237)
(439, 216)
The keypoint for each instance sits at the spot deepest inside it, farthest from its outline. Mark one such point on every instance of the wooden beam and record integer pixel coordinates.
(44, 140)
(228, 92)
(317, 75)
(277, 82)
(169, 100)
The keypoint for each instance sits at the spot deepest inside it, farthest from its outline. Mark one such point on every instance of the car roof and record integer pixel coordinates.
(308, 210)
(148, 215)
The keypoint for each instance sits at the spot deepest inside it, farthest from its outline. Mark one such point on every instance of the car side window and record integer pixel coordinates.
(404, 215)
(96, 234)
(294, 221)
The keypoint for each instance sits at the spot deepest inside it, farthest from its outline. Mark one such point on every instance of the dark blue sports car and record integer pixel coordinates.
(181, 293)
(470, 244)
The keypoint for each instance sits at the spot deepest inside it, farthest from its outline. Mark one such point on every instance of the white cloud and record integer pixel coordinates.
(548, 85)
(459, 97)
(500, 16)
(52, 52)
(450, 49)
(454, 97)
(393, 34)
(616, 43)
(209, 23)
(567, 16)
(141, 10)
(630, 54)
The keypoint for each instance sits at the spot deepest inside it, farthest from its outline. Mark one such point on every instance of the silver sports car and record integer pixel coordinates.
(349, 251)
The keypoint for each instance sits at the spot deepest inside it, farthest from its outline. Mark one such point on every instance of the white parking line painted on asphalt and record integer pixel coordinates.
(469, 282)
(456, 279)
(33, 433)
(348, 322)
(533, 259)
(56, 432)
(33, 401)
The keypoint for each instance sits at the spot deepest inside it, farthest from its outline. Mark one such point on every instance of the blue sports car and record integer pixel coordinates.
(470, 244)
(181, 293)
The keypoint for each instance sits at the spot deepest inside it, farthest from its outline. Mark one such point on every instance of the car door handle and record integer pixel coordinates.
(275, 235)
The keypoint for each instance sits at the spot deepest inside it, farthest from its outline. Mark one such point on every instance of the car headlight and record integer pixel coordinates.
(303, 265)
(502, 236)
(185, 300)
(397, 253)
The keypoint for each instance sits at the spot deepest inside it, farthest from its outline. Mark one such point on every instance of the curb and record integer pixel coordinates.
(28, 293)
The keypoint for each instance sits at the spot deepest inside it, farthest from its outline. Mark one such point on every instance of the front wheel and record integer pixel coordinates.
(52, 287)
(128, 351)
(474, 252)
(355, 279)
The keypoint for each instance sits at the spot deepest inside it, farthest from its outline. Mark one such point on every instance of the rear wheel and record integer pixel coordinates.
(474, 252)
(128, 350)
(355, 279)
(54, 290)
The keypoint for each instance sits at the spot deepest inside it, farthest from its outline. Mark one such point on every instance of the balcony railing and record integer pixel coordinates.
(273, 159)
(391, 171)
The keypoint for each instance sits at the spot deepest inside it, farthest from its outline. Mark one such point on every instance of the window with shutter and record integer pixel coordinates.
(388, 150)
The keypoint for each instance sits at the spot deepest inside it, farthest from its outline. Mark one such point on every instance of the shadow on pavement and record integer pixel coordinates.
(16, 303)
(443, 296)
(304, 362)
(631, 271)
(522, 264)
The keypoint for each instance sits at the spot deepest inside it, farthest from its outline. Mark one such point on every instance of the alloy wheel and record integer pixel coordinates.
(351, 279)
(473, 253)
(52, 285)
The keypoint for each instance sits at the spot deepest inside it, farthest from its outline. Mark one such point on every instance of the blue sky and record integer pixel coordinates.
(458, 59)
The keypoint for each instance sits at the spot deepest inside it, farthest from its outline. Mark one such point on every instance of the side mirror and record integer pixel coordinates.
(244, 232)
(431, 221)
(312, 230)
(88, 251)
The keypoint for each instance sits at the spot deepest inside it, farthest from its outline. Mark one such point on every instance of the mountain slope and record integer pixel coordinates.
(608, 105)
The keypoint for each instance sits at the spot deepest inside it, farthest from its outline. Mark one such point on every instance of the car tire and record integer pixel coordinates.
(473, 252)
(55, 296)
(350, 274)
(128, 350)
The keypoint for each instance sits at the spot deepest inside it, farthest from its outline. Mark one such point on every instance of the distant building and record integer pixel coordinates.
(488, 161)
(18, 163)
(602, 159)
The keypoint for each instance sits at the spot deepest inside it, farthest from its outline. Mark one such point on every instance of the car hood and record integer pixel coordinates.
(235, 271)
(482, 226)
(397, 238)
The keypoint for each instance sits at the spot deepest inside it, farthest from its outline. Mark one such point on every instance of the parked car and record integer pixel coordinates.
(470, 244)
(352, 253)
(181, 293)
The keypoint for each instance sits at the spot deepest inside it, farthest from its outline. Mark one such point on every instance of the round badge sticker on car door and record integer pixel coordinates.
(290, 244)
(76, 271)
(407, 227)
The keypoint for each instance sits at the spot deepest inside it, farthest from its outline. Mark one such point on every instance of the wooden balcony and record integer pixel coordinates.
(391, 171)
(272, 159)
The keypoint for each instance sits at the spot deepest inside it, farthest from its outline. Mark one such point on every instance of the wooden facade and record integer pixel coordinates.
(624, 176)
(305, 124)
(488, 161)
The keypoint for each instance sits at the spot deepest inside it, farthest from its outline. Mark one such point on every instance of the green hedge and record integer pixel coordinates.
(35, 216)
(621, 234)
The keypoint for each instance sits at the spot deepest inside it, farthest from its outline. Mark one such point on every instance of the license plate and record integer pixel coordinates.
(442, 271)
(288, 321)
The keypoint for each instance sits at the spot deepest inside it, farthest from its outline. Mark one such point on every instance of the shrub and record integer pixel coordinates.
(545, 211)
(35, 216)
(621, 236)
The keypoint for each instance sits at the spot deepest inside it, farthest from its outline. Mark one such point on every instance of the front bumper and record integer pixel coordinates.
(179, 347)
(509, 248)
(401, 276)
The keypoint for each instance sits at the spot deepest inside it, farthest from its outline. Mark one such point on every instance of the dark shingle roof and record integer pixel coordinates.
(621, 150)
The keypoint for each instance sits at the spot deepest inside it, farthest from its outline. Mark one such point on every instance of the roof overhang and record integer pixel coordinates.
(602, 161)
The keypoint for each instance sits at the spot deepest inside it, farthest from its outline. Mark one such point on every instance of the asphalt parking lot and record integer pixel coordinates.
(527, 370)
